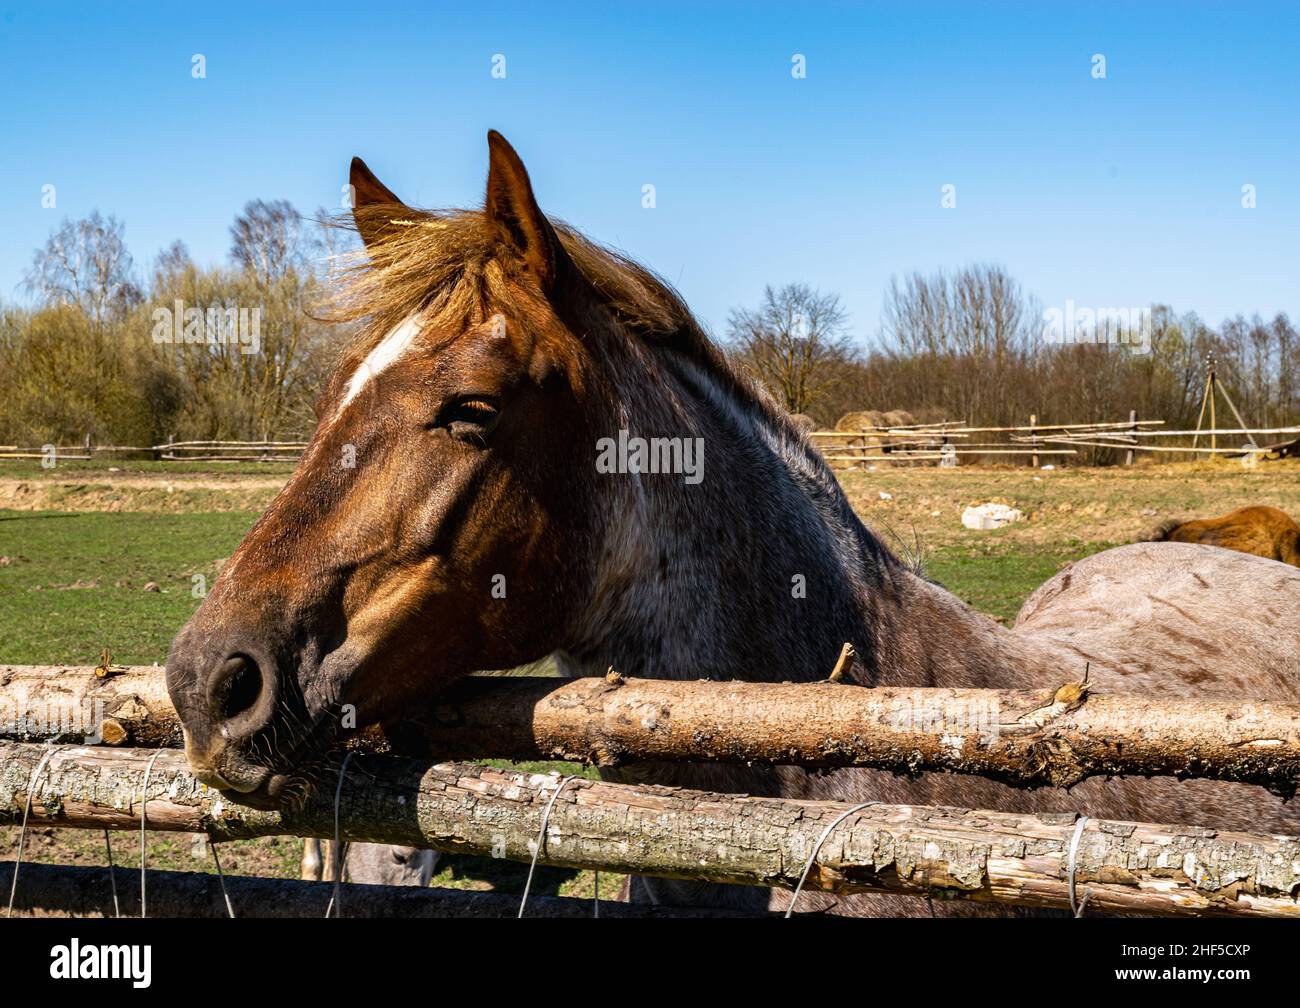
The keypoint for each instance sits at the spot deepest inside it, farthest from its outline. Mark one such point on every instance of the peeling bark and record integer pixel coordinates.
(1025, 738)
(984, 856)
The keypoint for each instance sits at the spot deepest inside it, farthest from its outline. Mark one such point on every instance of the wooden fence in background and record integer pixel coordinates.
(170, 451)
(951, 444)
(947, 444)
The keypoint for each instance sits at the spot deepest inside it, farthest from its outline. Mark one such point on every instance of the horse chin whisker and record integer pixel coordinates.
(295, 794)
(316, 766)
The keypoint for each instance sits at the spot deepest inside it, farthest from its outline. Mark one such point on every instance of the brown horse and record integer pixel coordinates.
(1261, 530)
(491, 481)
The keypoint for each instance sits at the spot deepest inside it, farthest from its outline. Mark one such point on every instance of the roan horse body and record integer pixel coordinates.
(472, 530)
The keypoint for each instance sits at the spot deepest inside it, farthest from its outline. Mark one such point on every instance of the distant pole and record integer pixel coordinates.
(1033, 438)
(1205, 397)
(1132, 428)
(1214, 387)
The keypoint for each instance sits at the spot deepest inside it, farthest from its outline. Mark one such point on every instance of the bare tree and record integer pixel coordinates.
(86, 264)
(979, 310)
(963, 343)
(1288, 363)
(172, 260)
(268, 240)
(917, 315)
(796, 343)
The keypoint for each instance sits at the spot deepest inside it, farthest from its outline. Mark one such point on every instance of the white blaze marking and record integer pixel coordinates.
(386, 351)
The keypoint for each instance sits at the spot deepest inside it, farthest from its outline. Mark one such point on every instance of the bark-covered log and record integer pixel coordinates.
(81, 891)
(984, 856)
(1025, 738)
(116, 705)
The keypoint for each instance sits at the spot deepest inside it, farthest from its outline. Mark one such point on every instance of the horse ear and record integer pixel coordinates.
(510, 202)
(369, 194)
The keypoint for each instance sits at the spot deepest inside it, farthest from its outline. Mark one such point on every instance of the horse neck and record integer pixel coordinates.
(762, 571)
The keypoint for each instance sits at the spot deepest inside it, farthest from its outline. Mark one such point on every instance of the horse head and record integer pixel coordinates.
(439, 520)
(508, 462)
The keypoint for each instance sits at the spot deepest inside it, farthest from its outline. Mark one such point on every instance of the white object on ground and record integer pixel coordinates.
(990, 516)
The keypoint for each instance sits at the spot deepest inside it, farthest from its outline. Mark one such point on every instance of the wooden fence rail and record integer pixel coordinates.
(947, 429)
(171, 451)
(983, 856)
(938, 442)
(1117, 436)
(1020, 737)
(1025, 738)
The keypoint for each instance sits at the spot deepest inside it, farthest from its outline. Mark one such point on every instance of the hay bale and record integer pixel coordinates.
(860, 420)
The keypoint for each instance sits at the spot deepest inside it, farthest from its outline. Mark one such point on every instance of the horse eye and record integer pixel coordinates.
(478, 414)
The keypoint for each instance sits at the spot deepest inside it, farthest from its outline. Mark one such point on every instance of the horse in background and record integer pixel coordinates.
(1261, 530)
(368, 863)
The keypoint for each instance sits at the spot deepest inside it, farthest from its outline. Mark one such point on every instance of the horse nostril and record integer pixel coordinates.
(239, 686)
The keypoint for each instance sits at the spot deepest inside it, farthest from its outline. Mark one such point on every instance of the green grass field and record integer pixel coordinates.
(74, 584)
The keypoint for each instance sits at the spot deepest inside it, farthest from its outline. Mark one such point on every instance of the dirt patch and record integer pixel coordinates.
(1121, 504)
(179, 494)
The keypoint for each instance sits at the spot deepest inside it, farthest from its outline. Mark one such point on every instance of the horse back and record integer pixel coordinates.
(1174, 618)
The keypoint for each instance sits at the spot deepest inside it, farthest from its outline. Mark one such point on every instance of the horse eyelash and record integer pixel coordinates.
(474, 404)
(486, 405)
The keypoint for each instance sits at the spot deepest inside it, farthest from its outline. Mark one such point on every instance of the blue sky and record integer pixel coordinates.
(1114, 192)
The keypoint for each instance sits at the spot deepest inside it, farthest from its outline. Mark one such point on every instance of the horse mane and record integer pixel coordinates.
(448, 261)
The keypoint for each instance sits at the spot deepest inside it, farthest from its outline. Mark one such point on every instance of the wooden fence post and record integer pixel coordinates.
(1132, 420)
(1033, 440)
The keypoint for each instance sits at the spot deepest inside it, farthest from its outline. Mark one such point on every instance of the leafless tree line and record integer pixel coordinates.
(973, 346)
(969, 346)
